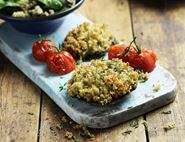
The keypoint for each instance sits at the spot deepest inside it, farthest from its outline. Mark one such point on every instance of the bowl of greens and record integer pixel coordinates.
(37, 16)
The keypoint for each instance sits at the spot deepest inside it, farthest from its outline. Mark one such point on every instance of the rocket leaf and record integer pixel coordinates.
(53, 4)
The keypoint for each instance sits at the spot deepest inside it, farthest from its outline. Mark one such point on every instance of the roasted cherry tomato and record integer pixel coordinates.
(117, 51)
(61, 62)
(43, 48)
(139, 58)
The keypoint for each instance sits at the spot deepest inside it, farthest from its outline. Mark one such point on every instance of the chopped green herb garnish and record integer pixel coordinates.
(102, 59)
(85, 132)
(62, 87)
(169, 126)
(30, 113)
(59, 126)
(127, 132)
(78, 62)
(135, 123)
(110, 64)
(139, 71)
(142, 80)
(60, 46)
(167, 112)
(77, 141)
(101, 77)
(145, 124)
(143, 77)
(130, 75)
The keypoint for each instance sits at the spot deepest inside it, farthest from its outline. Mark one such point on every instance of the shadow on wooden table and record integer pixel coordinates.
(55, 125)
(160, 4)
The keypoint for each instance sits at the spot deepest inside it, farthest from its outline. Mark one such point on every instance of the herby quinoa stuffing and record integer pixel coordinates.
(102, 81)
(88, 41)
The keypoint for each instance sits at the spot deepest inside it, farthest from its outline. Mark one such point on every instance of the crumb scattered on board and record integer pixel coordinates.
(83, 131)
(59, 126)
(145, 124)
(128, 131)
(86, 133)
(72, 131)
(64, 119)
(135, 123)
(143, 77)
(167, 112)
(156, 87)
(69, 135)
(169, 126)
(30, 113)
(149, 95)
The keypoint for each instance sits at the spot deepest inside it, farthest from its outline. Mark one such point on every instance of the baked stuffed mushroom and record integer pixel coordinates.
(102, 81)
(88, 41)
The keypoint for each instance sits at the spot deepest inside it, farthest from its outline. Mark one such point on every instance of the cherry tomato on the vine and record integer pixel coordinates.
(139, 58)
(117, 51)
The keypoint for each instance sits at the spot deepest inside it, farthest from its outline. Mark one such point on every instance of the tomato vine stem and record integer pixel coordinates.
(136, 47)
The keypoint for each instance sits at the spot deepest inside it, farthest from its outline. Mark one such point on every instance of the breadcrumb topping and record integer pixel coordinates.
(88, 40)
(102, 81)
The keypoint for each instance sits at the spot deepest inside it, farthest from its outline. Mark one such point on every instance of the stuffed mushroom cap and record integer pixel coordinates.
(102, 81)
(88, 41)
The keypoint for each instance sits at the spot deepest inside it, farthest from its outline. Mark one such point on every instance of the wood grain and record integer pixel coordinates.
(117, 15)
(53, 127)
(19, 105)
(162, 26)
(114, 13)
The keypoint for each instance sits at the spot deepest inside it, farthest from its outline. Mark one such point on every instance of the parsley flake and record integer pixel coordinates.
(167, 112)
(30, 113)
(145, 124)
(62, 87)
(127, 132)
(169, 126)
(135, 123)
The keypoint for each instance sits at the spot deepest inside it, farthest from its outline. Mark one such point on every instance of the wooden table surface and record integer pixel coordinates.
(27, 114)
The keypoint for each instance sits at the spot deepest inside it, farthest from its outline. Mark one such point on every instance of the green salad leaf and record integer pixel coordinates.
(53, 4)
(4, 4)
(13, 3)
(28, 6)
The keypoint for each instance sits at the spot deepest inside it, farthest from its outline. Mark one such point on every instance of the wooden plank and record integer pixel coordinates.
(130, 106)
(163, 29)
(116, 14)
(19, 105)
(53, 127)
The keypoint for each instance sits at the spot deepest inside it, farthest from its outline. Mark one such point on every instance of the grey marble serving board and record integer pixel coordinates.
(17, 47)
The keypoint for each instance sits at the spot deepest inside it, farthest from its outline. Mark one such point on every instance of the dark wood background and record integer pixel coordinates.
(27, 114)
